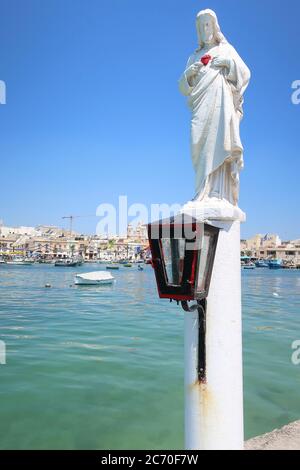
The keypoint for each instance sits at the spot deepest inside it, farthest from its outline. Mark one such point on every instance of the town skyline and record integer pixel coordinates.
(50, 243)
(66, 229)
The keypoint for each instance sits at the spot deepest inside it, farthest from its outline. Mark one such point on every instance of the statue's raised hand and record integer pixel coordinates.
(221, 62)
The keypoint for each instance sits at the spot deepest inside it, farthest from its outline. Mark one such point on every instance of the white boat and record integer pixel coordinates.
(20, 261)
(94, 278)
(249, 266)
(71, 262)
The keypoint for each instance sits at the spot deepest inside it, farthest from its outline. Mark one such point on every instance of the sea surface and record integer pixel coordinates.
(102, 367)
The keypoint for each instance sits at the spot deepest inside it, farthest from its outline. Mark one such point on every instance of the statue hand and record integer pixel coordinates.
(193, 69)
(221, 62)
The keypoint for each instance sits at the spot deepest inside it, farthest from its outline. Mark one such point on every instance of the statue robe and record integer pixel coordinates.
(215, 97)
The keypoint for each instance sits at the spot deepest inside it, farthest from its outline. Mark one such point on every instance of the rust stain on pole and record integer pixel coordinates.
(206, 399)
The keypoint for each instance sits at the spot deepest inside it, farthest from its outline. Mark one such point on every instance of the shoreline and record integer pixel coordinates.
(285, 438)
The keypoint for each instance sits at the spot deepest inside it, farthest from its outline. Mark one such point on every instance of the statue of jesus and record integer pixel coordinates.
(214, 81)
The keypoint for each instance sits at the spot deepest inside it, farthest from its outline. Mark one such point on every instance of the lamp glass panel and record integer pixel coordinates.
(173, 251)
(204, 262)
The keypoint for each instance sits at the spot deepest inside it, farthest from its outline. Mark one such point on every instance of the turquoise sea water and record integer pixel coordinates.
(102, 367)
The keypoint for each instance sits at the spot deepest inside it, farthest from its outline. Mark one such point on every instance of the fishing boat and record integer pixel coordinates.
(112, 266)
(68, 262)
(289, 265)
(19, 261)
(275, 263)
(261, 263)
(127, 265)
(93, 278)
(140, 268)
(245, 260)
(249, 266)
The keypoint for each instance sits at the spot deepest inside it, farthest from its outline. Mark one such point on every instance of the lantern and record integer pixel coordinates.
(183, 251)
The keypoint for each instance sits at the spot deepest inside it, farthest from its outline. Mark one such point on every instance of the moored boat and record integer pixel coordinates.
(249, 266)
(69, 262)
(289, 265)
(275, 263)
(261, 263)
(19, 261)
(93, 278)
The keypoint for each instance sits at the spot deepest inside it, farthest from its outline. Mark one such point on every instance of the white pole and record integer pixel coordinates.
(214, 410)
(192, 388)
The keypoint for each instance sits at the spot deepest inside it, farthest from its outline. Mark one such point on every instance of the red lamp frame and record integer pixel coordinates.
(188, 228)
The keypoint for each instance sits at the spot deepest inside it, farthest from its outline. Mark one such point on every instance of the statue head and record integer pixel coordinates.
(208, 28)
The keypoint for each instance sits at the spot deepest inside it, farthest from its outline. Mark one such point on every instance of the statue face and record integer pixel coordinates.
(206, 28)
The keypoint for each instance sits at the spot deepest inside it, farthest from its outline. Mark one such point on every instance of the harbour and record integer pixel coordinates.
(118, 349)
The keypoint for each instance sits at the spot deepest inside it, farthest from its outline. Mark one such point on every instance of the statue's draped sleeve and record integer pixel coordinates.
(238, 76)
(184, 86)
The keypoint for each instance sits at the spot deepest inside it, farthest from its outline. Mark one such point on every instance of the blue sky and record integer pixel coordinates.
(93, 108)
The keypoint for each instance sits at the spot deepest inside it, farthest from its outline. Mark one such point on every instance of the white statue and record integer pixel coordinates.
(214, 82)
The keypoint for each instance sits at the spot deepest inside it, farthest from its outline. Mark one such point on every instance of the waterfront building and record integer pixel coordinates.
(270, 246)
(7, 244)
